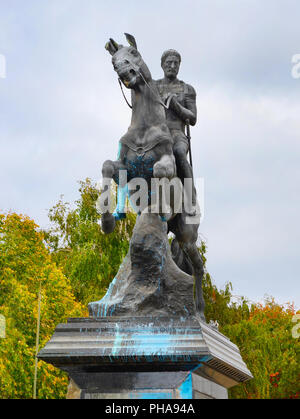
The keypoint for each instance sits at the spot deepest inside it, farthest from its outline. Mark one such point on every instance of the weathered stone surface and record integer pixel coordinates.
(148, 385)
(131, 354)
(126, 344)
(148, 282)
(74, 392)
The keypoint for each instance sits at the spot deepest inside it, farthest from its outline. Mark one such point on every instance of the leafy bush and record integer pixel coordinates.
(25, 262)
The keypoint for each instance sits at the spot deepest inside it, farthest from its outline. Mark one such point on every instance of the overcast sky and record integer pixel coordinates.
(62, 115)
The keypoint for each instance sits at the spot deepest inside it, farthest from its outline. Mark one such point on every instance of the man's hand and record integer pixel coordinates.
(171, 101)
(183, 112)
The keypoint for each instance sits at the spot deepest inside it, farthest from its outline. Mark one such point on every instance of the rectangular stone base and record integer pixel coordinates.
(149, 385)
(145, 357)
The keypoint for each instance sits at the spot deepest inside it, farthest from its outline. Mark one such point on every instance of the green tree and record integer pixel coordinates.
(25, 262)
(87, 256)
(269, 350)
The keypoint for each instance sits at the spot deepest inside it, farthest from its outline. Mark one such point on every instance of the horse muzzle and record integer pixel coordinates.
(128, 77)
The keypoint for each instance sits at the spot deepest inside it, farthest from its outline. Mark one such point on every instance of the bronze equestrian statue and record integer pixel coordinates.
(146, 151)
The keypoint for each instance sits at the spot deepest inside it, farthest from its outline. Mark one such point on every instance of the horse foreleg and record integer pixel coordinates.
(164, 170)
(193, 254)
(110, 170)
(165, 167)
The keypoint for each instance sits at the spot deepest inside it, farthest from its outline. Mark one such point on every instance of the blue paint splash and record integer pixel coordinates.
(186, 388)
(154, 395)
(139, 167)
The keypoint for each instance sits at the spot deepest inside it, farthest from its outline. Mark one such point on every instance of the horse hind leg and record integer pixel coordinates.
(193, 254)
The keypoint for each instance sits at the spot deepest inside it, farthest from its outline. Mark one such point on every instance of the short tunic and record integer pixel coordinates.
(184, 94)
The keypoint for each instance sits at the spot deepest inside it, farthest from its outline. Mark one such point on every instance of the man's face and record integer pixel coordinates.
(171, 66)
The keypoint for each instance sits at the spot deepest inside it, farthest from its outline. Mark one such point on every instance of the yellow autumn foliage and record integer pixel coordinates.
(25, 262)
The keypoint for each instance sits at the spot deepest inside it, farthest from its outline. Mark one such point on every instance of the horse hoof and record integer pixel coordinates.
(159, 171)
(108, 223)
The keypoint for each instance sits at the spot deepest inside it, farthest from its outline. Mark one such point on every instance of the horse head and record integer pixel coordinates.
(128, 63)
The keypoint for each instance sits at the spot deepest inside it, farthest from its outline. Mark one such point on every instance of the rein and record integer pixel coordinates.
(120, 83)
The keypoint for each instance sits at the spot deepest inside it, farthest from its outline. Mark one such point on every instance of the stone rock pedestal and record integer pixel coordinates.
(145, 358)
(148, 283)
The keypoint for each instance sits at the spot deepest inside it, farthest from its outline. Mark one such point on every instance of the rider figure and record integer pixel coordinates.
(182, 107)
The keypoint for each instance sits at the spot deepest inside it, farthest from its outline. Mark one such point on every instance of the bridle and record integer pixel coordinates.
(166, 106)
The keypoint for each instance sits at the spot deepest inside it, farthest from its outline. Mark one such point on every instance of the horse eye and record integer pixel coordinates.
(134, 52)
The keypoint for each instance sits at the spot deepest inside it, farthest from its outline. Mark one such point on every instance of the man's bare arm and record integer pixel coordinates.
(189, 111)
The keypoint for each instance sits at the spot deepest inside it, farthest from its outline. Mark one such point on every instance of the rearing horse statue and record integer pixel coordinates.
(146, 152)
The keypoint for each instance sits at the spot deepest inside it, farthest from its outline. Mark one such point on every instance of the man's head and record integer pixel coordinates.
(170, 63)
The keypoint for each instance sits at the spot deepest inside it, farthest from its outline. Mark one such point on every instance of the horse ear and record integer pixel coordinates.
(131, 40)
(111, 46)
(116, 46)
